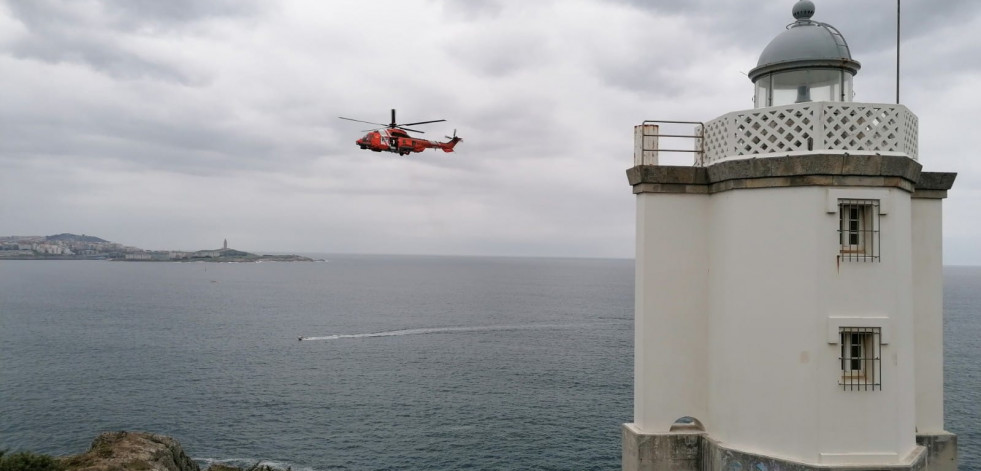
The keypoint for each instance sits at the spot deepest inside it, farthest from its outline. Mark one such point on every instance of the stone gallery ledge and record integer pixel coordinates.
(791, 171)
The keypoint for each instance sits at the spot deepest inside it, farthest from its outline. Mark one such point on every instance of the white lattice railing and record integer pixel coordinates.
(825, 127)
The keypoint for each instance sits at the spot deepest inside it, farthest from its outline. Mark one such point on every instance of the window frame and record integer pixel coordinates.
(864, 346)
(859, 230)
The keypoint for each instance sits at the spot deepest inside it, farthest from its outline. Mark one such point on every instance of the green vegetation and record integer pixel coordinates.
(27, 461)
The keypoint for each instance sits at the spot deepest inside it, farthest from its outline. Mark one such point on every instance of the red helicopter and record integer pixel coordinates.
(394, 138)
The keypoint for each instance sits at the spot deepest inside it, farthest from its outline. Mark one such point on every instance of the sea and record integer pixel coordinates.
(405, 362)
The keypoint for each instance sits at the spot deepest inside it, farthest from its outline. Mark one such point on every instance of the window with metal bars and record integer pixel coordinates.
(858, 230)
(861, 362)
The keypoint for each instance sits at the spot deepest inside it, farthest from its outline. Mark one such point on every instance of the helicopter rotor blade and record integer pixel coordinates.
(394, 125)
(422, 122)
(359, 121)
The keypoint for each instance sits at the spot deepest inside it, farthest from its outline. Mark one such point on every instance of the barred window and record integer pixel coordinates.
(858, 230)
(861, 365)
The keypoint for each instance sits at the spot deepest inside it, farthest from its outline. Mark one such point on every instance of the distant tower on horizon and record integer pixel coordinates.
(789, 284)
(225, 245)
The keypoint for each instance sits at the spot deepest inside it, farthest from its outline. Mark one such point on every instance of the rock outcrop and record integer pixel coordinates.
(117, 451)
(140, 451)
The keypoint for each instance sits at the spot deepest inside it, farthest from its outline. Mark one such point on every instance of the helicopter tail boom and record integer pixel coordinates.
(448, 146)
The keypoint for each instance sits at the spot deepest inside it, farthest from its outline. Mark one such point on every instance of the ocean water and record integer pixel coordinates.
(468, 363)
(407, 362)
(962, 362)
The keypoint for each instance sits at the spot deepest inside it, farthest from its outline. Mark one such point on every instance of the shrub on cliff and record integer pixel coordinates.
(27, 461)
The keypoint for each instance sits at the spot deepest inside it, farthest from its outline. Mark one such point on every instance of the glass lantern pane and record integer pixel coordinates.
(762, 97)
(801, 86)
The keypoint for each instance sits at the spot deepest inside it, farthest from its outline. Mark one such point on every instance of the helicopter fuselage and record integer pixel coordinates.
(399, 142)
(395, 139)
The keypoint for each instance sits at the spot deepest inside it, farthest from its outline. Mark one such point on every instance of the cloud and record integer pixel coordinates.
(176, 124)
(113, 37)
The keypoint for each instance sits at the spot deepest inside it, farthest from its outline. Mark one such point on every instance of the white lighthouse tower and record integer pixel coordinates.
(788, 308)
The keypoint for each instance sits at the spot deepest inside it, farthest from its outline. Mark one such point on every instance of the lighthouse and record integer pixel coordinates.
(788, 299)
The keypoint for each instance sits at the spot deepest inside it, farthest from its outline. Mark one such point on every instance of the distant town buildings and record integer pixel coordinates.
(82, 247)
(71, 246)
(62, 245)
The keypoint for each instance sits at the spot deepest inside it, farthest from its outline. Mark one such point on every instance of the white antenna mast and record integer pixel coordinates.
(897, 50)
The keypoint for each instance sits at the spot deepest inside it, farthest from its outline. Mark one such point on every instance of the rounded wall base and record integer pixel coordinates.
(696, 451)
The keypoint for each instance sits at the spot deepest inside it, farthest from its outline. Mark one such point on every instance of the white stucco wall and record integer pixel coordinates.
(764, 322)
(775, 284)
(928, 314)
(874, 426)
(670, 310)
(739, 295)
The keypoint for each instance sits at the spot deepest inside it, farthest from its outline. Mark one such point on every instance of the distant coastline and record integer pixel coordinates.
(83, 247)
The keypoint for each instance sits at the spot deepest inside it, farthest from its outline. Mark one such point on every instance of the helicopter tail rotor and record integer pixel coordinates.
(448, 146)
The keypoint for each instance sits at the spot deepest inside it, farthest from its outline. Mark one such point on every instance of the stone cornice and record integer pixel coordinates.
(777, 172)
(934, 185)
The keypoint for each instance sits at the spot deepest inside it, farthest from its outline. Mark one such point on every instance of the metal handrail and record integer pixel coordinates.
(698, 136)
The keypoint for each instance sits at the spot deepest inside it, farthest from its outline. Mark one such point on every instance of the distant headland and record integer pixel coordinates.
(84, 247)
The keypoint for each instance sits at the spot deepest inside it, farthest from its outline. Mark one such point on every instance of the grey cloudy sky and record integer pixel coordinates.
(175, 124)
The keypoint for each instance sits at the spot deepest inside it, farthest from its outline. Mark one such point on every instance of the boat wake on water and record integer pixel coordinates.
(247, 463)
(448, 330)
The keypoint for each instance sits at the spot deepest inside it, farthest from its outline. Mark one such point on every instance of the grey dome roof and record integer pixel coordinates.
(808, 41)
(805, 43)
